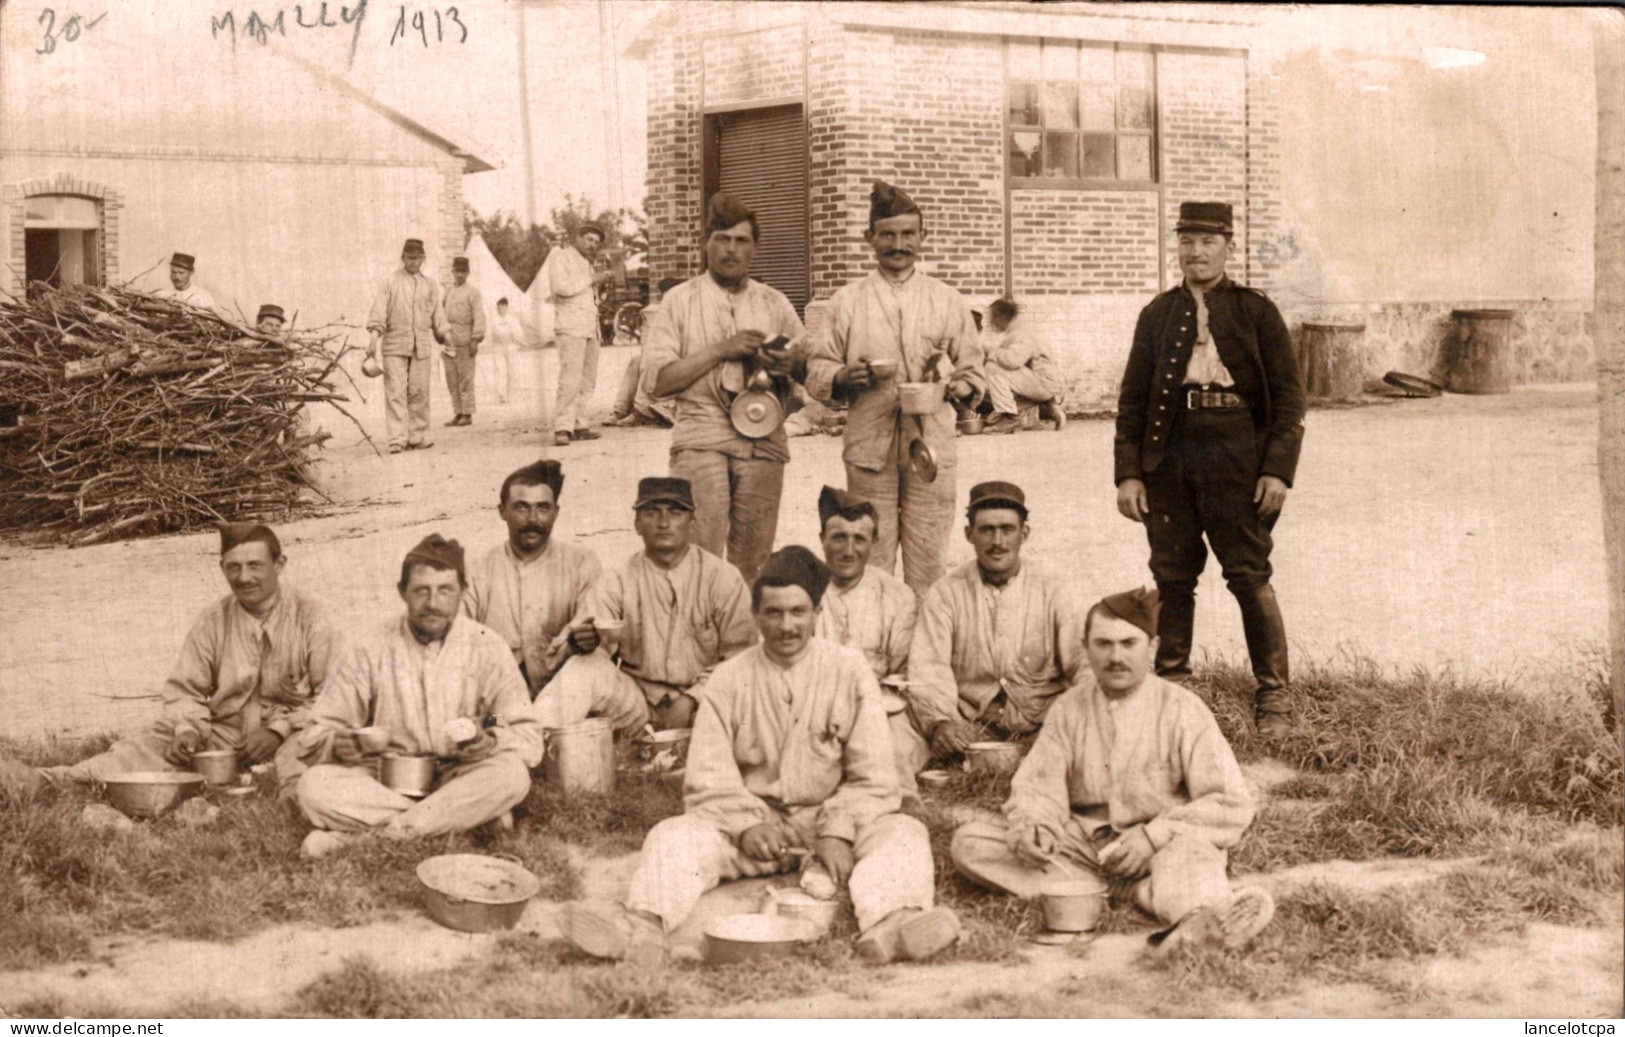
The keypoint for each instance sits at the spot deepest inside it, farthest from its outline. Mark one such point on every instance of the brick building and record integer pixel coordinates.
(1050, 146)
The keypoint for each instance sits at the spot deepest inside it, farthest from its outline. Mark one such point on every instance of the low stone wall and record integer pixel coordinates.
(1551, 339)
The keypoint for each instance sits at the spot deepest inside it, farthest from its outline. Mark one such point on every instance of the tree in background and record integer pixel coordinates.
(521, 247)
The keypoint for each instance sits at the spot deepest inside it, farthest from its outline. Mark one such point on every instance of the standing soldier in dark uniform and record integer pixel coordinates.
(1209, 425)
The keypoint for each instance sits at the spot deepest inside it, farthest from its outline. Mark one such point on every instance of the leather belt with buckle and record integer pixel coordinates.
(1198, 398)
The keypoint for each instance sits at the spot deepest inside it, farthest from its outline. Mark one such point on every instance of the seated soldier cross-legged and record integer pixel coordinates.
(867, 608)
(996, 641)
(790, 760)
(441, 687)
(1130, 779)
(245, 678)
(650, 634)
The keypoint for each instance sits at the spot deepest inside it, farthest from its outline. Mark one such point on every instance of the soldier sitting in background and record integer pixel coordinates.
(1019, 372)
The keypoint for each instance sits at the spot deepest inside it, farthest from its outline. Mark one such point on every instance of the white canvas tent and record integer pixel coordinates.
(494, 283)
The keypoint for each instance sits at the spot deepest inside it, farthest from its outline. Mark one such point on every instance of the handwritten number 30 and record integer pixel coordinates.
(73, 26)
(421, 24)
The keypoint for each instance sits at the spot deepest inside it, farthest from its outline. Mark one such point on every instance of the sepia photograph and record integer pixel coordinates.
(796, 509)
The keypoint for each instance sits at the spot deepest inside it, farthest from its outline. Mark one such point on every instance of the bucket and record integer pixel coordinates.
(581, 757)
(407, 774)
(919, 397)
(1073, 905)
(218, 766)
(1476, 357)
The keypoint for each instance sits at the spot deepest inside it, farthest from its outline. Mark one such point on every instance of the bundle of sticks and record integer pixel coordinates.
(123, 414)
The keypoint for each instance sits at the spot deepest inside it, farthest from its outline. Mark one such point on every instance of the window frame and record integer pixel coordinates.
(1151, 134)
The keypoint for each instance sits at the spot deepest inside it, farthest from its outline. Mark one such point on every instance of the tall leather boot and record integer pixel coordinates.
(1265, 631)
(1176, 623)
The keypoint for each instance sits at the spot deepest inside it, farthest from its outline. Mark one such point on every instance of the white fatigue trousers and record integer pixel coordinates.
(736, 504)
(578, 377)
(406, 399)
(460, 371)
(592, 686)
(923, 510)
(1004, 385)
(1187, 873)
(685, 856)
(351, 799)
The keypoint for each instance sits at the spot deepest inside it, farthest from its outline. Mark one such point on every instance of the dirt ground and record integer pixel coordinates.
(1461, 532)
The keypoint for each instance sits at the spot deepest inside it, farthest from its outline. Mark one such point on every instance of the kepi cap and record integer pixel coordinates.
(182, 260)
(992, 494)
(460, 263)
(270, 309)
(413, 247)
(591, 227)
(1211, 217)
(664, 489)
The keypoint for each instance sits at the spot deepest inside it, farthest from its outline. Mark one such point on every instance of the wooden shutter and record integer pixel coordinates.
(762, 161)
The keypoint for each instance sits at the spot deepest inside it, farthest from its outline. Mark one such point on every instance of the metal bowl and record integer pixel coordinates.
(735, 938)
(997, 757)
(409, 775)
(150, 793)
(473, 893)
(970, 426)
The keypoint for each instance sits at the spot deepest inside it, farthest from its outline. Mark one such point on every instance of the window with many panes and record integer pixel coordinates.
(1080, 111)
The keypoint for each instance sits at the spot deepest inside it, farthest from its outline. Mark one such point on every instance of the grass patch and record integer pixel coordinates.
(1428, 764)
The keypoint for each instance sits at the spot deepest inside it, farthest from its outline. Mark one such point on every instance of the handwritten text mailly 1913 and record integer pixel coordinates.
(306, 18)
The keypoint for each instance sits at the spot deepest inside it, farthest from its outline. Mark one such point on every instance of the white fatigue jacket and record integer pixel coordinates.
(242, 673)
(568, 276)
(1155, 758)
(875, 616)
(770, 741)
(530, 604)
(407, 312)
(680, 622)
(692, 316)
(415, 690)
(465, 315)
(877, 319)
(973, 641)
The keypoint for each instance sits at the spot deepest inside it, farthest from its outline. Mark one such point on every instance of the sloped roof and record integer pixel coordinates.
(471, 153)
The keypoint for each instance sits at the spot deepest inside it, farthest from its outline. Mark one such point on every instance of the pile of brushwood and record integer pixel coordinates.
(123, 414)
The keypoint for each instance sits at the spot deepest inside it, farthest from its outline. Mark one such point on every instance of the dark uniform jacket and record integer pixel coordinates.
(1256, 348)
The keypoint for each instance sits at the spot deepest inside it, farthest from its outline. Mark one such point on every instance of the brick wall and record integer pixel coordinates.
(1089, 338)
(923, 112)
(450, 235)
(1069, 242)
(760, 65)
(672, 199)
(1202, 98)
